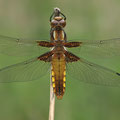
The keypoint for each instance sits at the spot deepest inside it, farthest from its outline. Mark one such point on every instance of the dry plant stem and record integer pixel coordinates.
(52, 102)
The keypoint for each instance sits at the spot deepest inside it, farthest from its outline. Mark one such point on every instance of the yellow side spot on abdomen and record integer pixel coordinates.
(53, 79)
(64, 76)
(53, 73)
(64, 73)
(64, 85)
(53, 85)
(64, 79)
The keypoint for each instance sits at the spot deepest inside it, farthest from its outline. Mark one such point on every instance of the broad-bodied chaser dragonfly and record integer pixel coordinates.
(59, 58)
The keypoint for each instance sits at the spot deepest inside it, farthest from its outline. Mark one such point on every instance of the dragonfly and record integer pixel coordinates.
(59, 58)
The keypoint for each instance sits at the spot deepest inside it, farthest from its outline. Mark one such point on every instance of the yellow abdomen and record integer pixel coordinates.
(58, 75)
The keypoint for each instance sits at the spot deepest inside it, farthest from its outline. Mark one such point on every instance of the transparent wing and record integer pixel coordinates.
(32, 69)
(98, 49)
(85, 71)
(18, 47)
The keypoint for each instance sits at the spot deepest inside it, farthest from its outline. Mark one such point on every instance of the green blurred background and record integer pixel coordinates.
(86, 19)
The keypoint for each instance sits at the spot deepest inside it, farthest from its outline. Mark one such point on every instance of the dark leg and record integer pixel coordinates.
(51, 35)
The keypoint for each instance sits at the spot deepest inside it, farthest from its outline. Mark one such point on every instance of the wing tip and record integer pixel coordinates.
(118, 74)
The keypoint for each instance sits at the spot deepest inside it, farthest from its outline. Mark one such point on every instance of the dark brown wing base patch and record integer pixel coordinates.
(46, 57)
(71, 57)
(72, 44)
(45, 44)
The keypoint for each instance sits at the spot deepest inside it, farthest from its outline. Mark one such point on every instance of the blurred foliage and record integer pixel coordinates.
(86, 19)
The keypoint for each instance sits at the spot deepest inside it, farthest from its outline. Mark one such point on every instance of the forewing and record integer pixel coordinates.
(98, 49)
(20, 47)
(29, 70)
(85, 71)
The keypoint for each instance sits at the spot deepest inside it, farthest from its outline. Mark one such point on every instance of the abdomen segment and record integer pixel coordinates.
(58, 73)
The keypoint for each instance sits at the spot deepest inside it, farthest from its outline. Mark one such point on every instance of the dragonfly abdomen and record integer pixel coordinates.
(58, 75)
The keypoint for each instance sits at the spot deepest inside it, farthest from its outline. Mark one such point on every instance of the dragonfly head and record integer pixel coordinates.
(58, 21)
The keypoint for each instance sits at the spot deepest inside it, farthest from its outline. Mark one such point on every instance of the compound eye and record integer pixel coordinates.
(54, 23)
(63, 23)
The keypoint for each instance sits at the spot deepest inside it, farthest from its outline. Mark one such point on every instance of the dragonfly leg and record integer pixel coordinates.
(51, 35)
